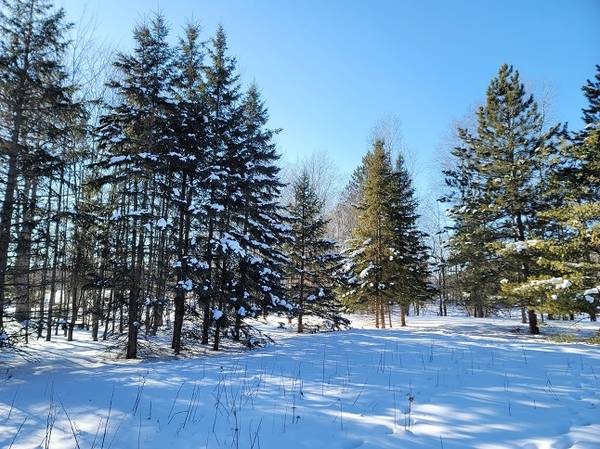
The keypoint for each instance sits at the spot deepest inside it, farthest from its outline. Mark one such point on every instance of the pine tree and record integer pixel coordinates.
(137, 136)
(471, 236)
(222, 175)
(568, 258)
(190, 128)
(257, 223)
(35, 101)
(496, 186)
(314, 261)
(369, 251)
(408, 252)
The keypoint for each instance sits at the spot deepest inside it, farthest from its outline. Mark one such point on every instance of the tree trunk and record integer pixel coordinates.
(5, 225)
(221, 304)
(182, 248)
(205, 296)
(96, 315)
(301, 301)
(402, 315)
(42, 300)
(55, 258)
(109, 309)
(134, 292)
(23, 257)
(533, 327)
(237, 327)
(178, 322)
(74, 310)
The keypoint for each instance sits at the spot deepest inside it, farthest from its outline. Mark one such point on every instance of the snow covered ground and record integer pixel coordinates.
(440, 383)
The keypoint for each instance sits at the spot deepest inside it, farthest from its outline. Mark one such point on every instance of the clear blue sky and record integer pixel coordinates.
(330, 69)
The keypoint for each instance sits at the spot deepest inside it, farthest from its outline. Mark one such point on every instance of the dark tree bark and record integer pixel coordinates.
(533, 326)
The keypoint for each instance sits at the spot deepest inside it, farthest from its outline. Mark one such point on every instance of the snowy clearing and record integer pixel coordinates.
(440, 383)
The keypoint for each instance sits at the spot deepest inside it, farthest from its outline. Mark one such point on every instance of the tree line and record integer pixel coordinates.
(154, 204)
(146, 195)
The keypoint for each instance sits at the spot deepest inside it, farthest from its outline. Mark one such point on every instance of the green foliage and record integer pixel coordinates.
(497, 190)
(313, 260)
(571, 252)
(388, 262)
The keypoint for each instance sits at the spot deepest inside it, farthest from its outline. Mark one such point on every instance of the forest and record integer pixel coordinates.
(145, 192)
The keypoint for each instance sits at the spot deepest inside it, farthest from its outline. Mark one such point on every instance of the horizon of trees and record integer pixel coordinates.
(144, 193)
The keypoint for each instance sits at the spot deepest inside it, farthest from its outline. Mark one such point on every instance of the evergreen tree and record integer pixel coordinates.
(387, 259)
(258, 223)
(137, 136)
(222, 174)
(409, 257)
(191, 130)
(496, 187)
(35, 102)
(369, 251)
(471, 237)
(314, 262)
(568, 259)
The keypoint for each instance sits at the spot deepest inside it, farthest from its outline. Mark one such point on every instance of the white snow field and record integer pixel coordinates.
(439, 383)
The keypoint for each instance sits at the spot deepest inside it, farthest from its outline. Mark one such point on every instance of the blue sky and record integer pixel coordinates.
(329, 70)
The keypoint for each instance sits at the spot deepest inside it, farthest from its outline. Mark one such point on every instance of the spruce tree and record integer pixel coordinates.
(222, 173)
(387, 258)
(314, 261)
(258, 224)
(137, 137)
(410, 271)
(191, 131)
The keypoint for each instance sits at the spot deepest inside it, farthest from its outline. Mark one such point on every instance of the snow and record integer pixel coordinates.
(229, 242)
(217, 207)
(520, 246)
(364, 273)
(558, 283)
(119, 159)
(187, 285)
(149, 156)
(469, 383)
